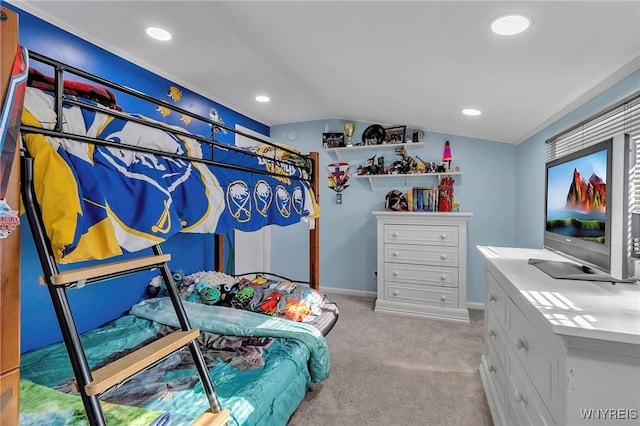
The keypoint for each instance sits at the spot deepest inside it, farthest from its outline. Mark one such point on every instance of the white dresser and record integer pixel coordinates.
(558, 352)
(422, 264)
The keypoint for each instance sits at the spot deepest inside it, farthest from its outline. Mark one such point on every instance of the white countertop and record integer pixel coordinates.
(597, 310)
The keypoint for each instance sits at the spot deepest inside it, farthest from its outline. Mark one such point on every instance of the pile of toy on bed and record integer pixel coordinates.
(262, 339)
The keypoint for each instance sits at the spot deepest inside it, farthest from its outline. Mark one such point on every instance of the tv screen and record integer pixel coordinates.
(577, 213)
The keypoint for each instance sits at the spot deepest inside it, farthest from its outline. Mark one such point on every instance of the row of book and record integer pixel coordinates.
(423, 199)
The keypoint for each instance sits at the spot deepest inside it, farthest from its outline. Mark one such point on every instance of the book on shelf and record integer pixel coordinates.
(422, 199)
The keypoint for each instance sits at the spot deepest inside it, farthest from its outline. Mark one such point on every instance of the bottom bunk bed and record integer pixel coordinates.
(261, 367)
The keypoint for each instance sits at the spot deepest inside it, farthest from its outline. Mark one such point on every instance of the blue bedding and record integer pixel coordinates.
(237, 322)
(260, 383)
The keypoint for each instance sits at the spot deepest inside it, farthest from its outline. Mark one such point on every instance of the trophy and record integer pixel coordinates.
(348, 129)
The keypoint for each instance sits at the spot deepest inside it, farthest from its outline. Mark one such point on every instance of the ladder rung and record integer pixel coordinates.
(80, 274)
(212, 419)
(125, 367)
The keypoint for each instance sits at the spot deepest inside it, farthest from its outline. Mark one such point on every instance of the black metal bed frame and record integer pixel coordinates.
(58, 293)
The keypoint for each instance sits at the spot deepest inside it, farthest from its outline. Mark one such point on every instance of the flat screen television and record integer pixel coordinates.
(578, 205)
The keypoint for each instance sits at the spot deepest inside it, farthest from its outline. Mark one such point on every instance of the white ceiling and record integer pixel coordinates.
(415, 63)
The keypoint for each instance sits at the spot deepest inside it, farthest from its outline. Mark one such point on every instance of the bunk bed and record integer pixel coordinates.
(85, 162)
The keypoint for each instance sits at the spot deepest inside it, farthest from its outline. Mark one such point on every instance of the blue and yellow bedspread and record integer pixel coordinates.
(101, 201)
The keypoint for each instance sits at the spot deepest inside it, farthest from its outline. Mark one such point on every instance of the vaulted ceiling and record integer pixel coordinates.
(414, 63)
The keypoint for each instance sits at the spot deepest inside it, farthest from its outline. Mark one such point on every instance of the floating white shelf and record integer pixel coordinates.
(339, 152)
(412, 176)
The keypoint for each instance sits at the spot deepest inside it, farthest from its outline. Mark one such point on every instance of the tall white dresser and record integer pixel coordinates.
(422, 264)
(558, 352)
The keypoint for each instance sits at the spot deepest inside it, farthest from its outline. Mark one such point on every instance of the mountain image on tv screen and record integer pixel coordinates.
(577, 198)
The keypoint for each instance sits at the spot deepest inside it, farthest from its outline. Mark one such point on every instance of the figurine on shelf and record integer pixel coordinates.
(406, 165)
(371, 168)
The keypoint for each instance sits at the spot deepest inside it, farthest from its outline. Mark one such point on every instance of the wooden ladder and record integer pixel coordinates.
(90, 384)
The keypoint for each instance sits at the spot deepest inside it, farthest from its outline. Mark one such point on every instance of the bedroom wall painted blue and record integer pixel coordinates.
(348, 231)
(97, 304)
(530, 161)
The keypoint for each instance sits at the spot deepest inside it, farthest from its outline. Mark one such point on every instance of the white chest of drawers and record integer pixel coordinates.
(422, 264)
(558, 352)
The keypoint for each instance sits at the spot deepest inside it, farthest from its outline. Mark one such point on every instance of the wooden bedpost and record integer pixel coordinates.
(219, 256)
(10, 244)
(314, 234)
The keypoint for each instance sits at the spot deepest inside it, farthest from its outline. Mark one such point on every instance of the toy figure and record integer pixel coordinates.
(371, 168)
(406, 165)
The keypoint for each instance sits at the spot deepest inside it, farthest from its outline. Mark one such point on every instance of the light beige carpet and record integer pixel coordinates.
(395, 370)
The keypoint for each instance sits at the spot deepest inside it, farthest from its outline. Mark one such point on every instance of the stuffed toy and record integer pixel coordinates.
(158, 288)
(209, 295)
(242, 298)
(227, 291)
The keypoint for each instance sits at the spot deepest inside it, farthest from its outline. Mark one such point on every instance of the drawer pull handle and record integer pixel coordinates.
(396, 292)
(521, 344)
(395, 235)
(492, 333)
(492, 298)
(443, 236)
(519, 397)
(492, 369)
(395, 254)
(443, 277)
(443, 298)
(443, 256)
(395, 273)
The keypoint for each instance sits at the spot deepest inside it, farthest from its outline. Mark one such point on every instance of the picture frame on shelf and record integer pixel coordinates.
(394, 135)
(333, 140)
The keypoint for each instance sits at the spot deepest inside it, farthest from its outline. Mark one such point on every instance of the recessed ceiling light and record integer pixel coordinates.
(159, 33)
(510, 24)
(262, 98)
(471, 111)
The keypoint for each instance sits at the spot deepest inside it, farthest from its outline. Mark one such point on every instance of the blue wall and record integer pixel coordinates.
(348, 231)
(97, 304)
(530, 170)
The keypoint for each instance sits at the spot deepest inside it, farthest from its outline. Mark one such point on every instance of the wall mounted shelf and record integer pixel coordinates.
(339, 152)
(373, 178)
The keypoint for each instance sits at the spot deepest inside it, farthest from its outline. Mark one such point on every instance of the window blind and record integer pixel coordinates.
(624, 117)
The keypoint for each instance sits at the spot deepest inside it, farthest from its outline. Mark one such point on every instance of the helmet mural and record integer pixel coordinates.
(395, 200)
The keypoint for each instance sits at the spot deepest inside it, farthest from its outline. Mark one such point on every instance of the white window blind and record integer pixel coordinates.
(623, 117)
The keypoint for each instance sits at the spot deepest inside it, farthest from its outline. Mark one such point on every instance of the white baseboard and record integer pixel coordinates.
(475, 305)
(363, 293)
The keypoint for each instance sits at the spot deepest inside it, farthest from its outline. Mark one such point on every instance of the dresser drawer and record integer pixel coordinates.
(532, 351)
(421, 234)
(526, 406)
(496, 339)
(443, 297)
(498, 375)
(496, 300)
(421, 274)
(431, 255)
